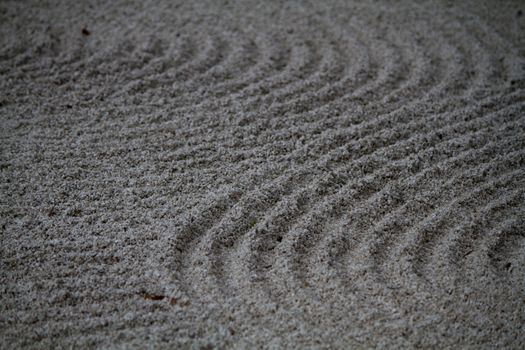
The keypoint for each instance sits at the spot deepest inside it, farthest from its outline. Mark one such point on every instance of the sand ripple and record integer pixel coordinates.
(240, 174)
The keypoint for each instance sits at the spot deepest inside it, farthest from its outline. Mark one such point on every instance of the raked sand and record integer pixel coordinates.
(216, 174)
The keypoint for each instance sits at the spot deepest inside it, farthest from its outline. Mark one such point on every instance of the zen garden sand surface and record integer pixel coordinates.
(262, 174)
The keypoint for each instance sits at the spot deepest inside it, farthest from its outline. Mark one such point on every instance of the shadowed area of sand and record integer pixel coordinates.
(216, 174)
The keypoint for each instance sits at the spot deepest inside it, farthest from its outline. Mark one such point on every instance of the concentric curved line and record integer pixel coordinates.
(287, 223)
(436, 214)
(457, 245)
(363, 210)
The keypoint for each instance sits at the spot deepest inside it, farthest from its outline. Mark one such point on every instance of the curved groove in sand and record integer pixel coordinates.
(464, 241)
(380, 236)
(393, 148)
(404, 253)
(373, 201)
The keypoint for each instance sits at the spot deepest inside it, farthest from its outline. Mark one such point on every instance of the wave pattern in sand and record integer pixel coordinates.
(268, 175)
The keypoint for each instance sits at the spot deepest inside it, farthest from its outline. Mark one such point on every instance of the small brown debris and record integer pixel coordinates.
(154, 297)
(85, 31)
(173, 301)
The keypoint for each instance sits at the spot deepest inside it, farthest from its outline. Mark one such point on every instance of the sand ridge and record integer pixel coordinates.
(236, 174)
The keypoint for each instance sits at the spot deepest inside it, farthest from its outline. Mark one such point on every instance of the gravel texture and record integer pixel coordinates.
(222, 174)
